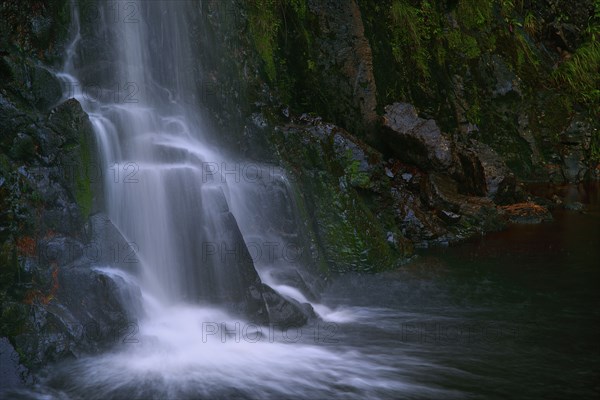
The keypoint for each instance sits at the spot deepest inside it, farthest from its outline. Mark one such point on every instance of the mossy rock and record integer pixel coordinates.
(337, 187)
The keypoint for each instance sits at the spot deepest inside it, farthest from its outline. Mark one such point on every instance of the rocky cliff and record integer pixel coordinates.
(54, 303)
(407, 123)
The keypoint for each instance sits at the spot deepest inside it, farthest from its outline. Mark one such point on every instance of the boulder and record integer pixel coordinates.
(228, 275)
(482, 172)
(82, 310)
(107, 246)
(479, 170)
(284, 311)
(416, 140)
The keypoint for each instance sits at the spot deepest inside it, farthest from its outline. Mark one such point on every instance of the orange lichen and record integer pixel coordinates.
(525, 209)
(36, 296)
(26, 246)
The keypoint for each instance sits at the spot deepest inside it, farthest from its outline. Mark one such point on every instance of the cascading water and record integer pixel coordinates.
(162, 191)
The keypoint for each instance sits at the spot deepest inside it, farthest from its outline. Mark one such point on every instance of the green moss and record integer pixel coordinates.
(464, 44)
(409, 34)
(356, 177)
(349, 233)
(299, 6)
(264, 24)
(355, 240)
(473, 114)
(474, 14)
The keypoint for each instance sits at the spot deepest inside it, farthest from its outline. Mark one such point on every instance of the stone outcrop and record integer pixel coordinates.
(415, 140)
(477, 168)
(574, 144)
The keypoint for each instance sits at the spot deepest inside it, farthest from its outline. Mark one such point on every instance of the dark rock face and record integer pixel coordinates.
(346, 64)
(11, 372)
(484, 173)
(574, 144)
(35, 28)
(504, 80)
(40, 87)
(69, 305)
(87, 312)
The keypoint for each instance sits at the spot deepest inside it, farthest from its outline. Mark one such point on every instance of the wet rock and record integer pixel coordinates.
(284, 311)
(574, 143)
(12, 374)
(73, 307)
(107, 246)
(33, 83)
(478, 214)
(573, 167)
(484, 173)
(479, 170)
(407, 177)
(449, 216)
(235, 281)
(556, 199)
(69, 119)
(78, 155)
(505, 80)
(414, 220)
(83, 311)
(416, 140)
(298, 278)
(574, 206)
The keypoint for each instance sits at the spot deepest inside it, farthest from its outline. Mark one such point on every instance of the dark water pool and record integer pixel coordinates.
(511, 315)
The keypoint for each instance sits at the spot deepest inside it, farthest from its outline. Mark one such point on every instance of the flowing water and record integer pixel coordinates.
(509, 316)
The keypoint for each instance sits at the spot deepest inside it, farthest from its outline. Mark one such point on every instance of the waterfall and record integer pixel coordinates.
(166, 190)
